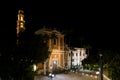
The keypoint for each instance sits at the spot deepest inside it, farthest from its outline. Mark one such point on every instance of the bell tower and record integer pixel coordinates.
(20, 23)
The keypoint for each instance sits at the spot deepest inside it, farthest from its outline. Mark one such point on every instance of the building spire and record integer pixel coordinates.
(20, 23)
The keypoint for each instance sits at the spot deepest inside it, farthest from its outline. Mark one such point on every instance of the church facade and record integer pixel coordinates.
(56, 47)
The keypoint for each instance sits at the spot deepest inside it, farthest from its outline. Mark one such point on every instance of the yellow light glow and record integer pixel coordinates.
(34, 67)
(21, 25)
(21, 18)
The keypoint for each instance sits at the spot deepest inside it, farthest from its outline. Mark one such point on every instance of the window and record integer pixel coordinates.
(55, 41)
(83, 54)
(21, 18)
(76, 54)
(80, 53)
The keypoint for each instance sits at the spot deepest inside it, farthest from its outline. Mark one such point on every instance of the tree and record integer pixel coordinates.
(40, 49)
(92, 60)
(107, 57)
(17, 60)
(88, 47)
(114, 69)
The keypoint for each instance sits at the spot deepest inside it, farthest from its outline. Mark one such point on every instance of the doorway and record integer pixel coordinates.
(54, 66)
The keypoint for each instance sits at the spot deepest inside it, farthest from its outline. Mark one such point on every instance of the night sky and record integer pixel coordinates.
(97, 25)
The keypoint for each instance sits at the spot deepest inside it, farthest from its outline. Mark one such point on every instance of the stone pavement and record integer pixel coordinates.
(70, 76)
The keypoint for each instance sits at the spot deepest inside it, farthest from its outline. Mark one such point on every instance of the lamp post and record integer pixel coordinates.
(71, 60)
(101, 67)
(97, 73)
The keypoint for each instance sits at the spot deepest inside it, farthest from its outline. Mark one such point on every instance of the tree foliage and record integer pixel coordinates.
(114, 68)
(17, 60)
(92, 56)
(110, 59)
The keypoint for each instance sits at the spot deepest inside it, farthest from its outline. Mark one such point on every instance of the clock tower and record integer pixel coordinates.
(20, 23)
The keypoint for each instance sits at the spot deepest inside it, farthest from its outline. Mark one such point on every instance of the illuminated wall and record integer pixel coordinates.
(20, 22)
(56, 46)
(77, 56)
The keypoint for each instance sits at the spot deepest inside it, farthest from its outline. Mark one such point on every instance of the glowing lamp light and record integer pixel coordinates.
(34, 67)
(97, 72)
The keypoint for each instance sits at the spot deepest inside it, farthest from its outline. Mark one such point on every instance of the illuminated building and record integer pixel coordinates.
(75, 57)
(20, 24)
(56, 47)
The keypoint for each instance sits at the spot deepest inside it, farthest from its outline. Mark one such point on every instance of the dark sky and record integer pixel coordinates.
(98, 25)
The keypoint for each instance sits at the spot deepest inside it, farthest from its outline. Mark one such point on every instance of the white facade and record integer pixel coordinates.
(76, 56)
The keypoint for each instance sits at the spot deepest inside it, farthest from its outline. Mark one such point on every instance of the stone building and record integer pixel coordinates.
(75, 58)
(56, 47)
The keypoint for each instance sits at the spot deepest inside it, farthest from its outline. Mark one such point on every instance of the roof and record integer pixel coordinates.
(47, 31)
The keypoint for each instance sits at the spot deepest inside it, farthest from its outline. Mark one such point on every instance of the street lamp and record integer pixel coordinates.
(101, 67)
(97, 73)
(71, 60)
(34, 67)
